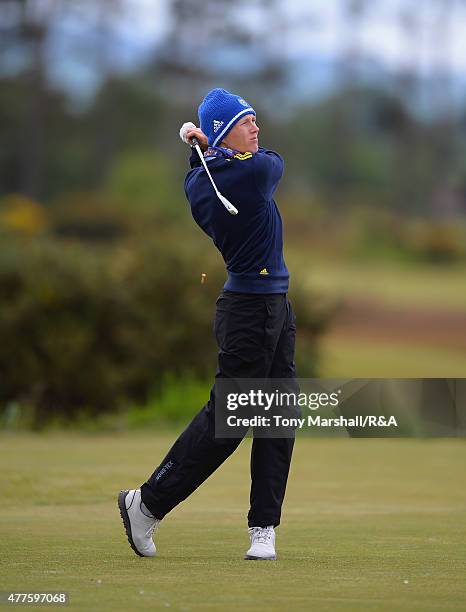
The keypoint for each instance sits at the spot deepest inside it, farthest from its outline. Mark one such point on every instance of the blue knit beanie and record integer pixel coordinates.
(218, 113)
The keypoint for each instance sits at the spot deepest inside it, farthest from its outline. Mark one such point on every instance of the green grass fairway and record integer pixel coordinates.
(368, 525)
(352, 357)
(390, 283)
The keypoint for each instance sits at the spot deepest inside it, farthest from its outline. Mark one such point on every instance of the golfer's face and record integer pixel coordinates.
(243, 136)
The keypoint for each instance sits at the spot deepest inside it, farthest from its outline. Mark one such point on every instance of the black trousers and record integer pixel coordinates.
(255, 334)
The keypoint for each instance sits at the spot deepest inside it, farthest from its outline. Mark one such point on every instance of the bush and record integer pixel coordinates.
(21, 215)
(85, 331)
(437, 242)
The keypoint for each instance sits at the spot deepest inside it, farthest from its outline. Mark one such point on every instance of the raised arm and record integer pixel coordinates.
(268, 170)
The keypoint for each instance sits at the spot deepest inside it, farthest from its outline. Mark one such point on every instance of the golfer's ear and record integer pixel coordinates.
(268, 170)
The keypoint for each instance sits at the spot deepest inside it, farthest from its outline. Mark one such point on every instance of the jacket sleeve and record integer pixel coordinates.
(194, 160)
(268, 170)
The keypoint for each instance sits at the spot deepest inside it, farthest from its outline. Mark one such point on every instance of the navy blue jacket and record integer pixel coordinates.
(251, 242)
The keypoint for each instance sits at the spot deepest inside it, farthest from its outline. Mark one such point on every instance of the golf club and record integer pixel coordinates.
(228, 205)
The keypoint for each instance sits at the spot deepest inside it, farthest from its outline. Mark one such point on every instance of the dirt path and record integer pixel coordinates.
(369, 319)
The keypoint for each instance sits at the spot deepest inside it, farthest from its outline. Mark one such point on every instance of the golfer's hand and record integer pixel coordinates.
(189, 130)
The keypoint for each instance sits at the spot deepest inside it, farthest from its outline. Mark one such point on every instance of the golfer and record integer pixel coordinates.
(254, 323)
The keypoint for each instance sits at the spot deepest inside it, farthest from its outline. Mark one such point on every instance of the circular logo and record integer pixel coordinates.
(243, 102)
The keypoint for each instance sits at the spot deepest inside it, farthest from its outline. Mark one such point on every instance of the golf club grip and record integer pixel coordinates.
(194, 141)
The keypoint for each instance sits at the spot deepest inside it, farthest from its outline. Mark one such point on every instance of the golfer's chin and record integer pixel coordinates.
(254, 146)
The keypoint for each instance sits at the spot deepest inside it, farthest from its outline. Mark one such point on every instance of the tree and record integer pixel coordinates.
(217, 42)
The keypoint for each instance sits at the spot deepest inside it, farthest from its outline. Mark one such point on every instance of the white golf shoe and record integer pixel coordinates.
(139, 527)
(262, 544)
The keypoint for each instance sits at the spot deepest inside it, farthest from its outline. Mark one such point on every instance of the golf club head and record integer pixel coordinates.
(228, 205)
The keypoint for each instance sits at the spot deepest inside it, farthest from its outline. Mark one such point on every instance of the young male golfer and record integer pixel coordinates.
(254, 323)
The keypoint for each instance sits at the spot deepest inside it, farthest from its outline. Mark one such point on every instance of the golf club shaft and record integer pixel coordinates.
(198, 149)
(228, 205)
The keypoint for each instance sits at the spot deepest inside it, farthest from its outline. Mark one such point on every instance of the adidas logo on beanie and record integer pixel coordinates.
(217, 125)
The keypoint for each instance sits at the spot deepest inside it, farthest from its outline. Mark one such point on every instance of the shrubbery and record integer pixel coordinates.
(86, 329)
